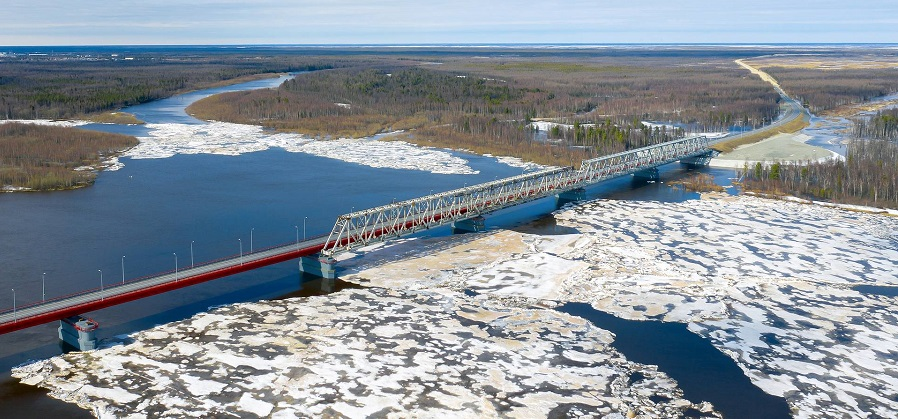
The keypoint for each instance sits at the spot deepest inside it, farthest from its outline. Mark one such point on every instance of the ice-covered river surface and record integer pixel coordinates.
(770, 283)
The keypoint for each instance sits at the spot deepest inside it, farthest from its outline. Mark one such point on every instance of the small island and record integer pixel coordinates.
(48, 158)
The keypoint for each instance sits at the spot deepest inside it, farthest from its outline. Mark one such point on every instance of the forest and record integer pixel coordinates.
(867, 176)
(823, 90)
(63, 86)
(54, 87)
(882, 126)
(487, 107)
(43, 158)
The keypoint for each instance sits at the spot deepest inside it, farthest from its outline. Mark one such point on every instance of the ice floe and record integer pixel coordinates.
(49, 122)
(166, 140)
(224, 138)
(361, 353)
(769, 283)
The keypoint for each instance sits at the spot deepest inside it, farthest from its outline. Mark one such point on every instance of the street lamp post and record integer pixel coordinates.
(251, 239)
(14, 315)
(176, 265)
(241, 250)
(297, 237)
(191, 253)
(123, 269)
(304, 228)
(101, 282)
(44, 286)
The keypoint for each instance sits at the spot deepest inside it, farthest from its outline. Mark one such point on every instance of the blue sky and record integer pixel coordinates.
(93, 22)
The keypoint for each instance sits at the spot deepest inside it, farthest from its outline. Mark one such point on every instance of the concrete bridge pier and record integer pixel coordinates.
(469, 225)
(650, 174)
(323, 266)
(79, 332)
(700, 160)
(573, 195)
(318, 265)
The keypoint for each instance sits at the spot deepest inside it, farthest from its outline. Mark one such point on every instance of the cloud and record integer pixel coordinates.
(407, 21)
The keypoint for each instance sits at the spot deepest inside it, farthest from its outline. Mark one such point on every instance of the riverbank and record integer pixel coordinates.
(36, 157)
(793, 119)
(122, 118)
(779, 148)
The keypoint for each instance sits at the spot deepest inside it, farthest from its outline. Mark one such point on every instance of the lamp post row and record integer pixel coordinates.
(192, 264)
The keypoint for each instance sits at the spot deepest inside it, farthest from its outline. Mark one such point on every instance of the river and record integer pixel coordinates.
(155, 213)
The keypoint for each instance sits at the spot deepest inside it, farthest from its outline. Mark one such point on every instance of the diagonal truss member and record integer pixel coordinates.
(360, 228)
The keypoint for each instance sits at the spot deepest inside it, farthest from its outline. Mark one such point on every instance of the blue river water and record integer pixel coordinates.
(154, 213)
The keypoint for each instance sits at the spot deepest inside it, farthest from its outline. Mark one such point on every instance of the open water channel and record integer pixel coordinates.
(154, 213)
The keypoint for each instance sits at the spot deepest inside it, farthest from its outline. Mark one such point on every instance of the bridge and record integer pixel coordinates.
(463, 208)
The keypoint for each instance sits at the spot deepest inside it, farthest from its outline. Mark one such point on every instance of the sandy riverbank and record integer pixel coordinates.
(779, 148)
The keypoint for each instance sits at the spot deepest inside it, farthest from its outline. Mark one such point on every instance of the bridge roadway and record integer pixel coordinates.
(361, 228)
(117, 293)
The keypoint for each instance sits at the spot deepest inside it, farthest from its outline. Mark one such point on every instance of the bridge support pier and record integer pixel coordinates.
(572, 195)
(78, 332)
(470, 225)
(318, 265)
(650, 174)
(699, 160)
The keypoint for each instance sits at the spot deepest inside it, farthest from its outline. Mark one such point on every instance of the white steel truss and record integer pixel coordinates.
(360, 228)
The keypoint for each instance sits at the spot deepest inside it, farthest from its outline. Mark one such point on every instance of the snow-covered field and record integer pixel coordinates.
(769, 283)
(362, 353)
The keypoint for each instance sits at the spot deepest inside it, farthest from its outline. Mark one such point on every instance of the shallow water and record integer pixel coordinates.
(833, 132)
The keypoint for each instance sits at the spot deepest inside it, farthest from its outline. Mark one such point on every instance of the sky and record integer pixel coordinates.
(229, 22)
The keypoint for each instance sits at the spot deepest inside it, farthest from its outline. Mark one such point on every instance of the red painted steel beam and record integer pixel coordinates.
(109, 301)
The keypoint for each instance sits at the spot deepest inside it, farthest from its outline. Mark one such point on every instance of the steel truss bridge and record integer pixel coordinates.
(361, 228)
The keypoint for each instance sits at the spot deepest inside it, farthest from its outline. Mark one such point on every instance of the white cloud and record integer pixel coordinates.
(404, 21)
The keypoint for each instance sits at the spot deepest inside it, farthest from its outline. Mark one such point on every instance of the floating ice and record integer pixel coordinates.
(49, 122)
(166, 140)
(359, 353)
(769, 283)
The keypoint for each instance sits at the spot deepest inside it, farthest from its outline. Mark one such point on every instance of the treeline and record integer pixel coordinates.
(365, 102)
(711, 94)
(491, 113)
(442, 109)
(822, 90)
(45, 157)
(867, 176)
(614, 137)
(884, 125)
(49, 87)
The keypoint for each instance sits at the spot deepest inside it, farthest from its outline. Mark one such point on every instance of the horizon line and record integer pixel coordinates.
(473, 44)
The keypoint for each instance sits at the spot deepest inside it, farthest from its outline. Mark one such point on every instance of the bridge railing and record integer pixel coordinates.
(186, 270)
(601, 168)
(360, 228)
